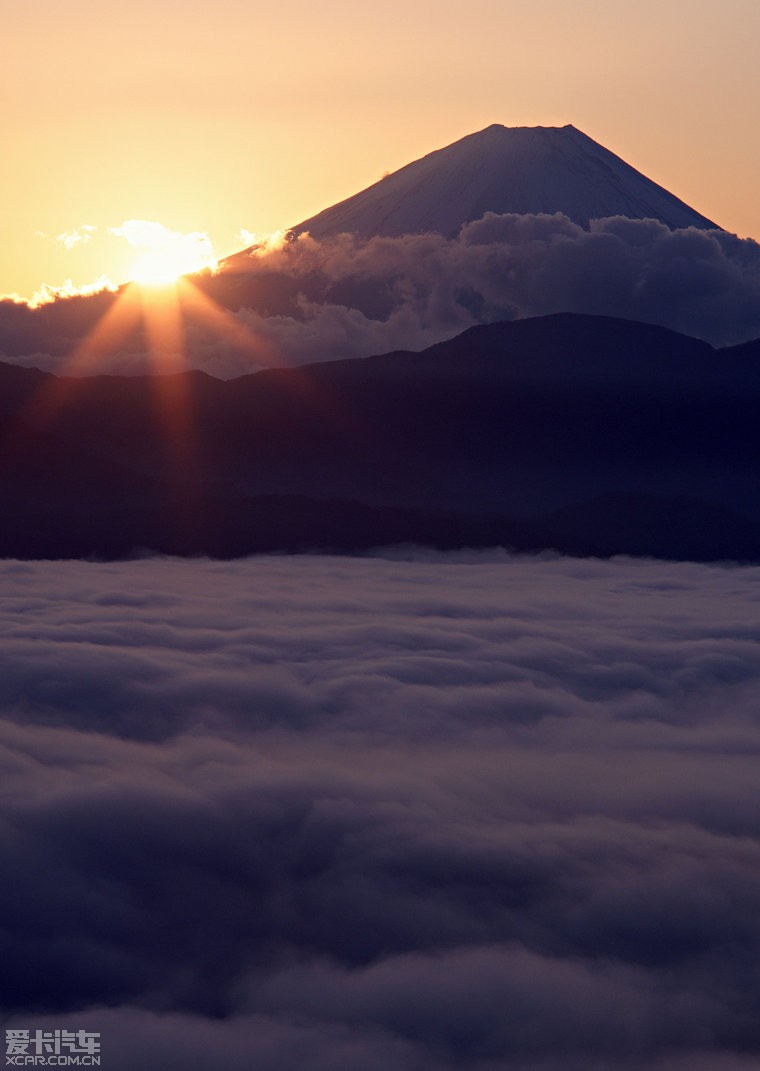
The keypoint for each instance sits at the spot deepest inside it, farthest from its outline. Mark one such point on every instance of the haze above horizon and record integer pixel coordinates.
(226, 121)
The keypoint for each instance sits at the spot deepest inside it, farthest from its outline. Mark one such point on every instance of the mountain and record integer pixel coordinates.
(504, 169)
(578, 433)
(352, 298)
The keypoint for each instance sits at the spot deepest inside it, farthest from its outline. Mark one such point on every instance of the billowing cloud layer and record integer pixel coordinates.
(703, 283)
(423, 813)
(348, 298)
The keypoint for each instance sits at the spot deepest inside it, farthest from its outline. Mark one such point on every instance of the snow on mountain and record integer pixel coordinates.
(504, 169)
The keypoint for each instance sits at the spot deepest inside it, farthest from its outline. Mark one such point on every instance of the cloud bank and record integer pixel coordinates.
(414, 811)
(702, 283)
(303, 300)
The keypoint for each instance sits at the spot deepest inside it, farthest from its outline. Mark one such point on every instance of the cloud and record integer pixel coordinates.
(360, 298)
(70, 239)
(247, 238)
(48, 293)
(79, 236)
(306, 300)
(467, 811)
(703, 283)
(155, 237)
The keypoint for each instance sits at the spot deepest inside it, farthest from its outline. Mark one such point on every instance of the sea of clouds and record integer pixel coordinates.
(416, 811)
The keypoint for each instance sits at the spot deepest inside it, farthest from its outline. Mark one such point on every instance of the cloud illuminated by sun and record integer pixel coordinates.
(164, 255)
(48, 293)
(79, 236)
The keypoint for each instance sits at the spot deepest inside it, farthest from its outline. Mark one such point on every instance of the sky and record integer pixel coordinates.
(419, 811)
(226, 120)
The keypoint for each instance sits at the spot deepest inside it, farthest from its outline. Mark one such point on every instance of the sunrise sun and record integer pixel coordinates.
(164, 255)
(160, 268)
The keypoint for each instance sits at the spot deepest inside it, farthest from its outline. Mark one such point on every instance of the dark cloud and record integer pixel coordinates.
(703, 283)
(418, 812)
(352, 298)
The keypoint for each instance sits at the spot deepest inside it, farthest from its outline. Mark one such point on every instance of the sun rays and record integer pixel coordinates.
(149, 324)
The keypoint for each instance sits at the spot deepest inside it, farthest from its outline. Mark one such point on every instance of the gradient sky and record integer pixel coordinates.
(231, 116)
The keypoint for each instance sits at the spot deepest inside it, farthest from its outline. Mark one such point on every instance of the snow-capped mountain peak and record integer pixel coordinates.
(504, 169)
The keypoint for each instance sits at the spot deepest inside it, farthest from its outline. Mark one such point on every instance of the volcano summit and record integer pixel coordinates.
(525, 170)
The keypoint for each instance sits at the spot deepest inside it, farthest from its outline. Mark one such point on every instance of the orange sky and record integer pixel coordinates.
(214, 118)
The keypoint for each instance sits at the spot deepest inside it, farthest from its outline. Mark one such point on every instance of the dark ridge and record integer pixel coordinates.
(580, 433)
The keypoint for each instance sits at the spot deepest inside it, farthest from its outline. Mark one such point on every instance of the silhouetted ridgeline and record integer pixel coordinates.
(579, 433)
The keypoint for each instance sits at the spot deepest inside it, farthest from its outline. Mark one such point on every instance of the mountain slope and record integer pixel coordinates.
(502, 169)
(581, 433)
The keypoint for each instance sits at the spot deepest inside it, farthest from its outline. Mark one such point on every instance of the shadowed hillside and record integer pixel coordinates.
(579, 433)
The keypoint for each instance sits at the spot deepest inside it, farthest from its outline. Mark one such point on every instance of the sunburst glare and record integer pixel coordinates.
(153, 313)
(164, 255)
